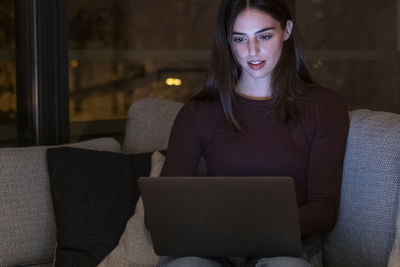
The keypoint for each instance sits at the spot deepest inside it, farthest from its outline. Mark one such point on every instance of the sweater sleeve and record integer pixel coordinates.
(184, 146)
(324, 174)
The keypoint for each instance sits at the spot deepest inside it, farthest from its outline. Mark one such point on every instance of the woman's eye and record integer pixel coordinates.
(238, 39)
(265, 36)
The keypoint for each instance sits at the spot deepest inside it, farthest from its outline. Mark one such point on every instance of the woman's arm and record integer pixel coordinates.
(324, 174)
(184, 147)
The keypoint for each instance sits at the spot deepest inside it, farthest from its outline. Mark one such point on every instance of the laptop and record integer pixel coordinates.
(222, 216)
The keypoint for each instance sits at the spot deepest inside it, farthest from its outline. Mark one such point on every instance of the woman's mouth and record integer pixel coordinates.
(256, 65)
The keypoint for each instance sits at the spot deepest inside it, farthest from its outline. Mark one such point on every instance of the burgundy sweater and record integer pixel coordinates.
(310, 149)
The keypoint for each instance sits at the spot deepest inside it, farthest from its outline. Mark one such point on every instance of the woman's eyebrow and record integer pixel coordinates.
(265, 29)
(262, 30)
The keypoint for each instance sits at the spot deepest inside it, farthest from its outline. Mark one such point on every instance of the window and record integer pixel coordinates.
(353, 47)
(122, 51)
(8, 106)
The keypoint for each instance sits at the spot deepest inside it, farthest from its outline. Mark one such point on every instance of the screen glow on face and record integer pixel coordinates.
(257, 41)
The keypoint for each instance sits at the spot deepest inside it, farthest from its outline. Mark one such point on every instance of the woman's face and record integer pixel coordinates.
(257, 41)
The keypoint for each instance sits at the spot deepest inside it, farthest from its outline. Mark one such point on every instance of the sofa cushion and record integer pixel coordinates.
(364, 233)
(27, 226)
(394, 259)
(94, 194)
(135, 247)
(149, 124)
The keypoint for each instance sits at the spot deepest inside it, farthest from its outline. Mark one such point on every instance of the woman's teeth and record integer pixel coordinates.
(256, 65)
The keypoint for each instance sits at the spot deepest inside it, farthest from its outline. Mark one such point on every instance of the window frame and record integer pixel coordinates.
(41, 37)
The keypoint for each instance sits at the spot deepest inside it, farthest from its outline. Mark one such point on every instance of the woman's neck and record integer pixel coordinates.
(254, 97)
(254, 89)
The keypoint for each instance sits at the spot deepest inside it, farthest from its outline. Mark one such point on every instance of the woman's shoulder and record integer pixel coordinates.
(198, 118)
(320, 102)
(324, 94)
(200, 107)
(196, 111)
(321, 98)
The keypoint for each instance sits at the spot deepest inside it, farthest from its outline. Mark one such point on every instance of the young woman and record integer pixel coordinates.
(261, 114)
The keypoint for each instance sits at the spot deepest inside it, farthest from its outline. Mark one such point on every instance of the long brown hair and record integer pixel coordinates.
(290, 76)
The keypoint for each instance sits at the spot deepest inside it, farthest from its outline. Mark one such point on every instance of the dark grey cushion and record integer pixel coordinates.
(27, 227)
(94, 194)
(364, 233)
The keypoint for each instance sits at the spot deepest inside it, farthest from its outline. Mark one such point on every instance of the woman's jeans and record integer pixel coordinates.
(310, 249)
(237, 262)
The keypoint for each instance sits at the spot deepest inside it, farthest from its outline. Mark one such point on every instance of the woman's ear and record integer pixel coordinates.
(287, 30)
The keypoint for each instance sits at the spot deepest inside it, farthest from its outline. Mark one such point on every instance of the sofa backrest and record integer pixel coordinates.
(27, 223)
(149, 124)
(364, 233)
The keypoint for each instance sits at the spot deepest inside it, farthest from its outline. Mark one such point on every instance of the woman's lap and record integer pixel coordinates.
(188, 261)
(282, 261)
(311, 247)
(215, 262)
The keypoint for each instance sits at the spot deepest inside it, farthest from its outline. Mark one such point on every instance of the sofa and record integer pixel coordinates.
(367, 232)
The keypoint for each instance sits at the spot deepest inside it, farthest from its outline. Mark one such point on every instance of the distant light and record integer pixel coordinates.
(170, 81)
(74, 63)
(318, 64)
(173, 81)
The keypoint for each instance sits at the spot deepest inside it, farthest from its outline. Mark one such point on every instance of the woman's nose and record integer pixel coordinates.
(253, 47)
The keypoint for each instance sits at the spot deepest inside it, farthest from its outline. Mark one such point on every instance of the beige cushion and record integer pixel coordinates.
(149, 125)
(27, 225)
(366, 226)
(135, 247)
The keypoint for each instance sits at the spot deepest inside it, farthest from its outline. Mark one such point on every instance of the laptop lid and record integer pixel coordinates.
(222, 216)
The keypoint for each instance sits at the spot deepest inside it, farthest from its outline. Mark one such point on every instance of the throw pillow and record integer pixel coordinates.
(135, 247)
(94, 194)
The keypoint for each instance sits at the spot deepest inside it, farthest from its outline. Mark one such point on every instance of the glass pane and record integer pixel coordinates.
(354, 47)
(348, 25)
(8, 106)
(121, 51)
